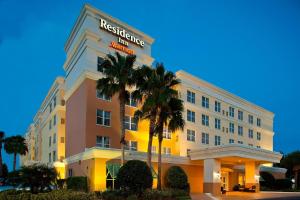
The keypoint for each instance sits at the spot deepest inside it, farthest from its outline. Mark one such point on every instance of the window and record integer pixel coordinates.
(50, 107)
(258, 147)
(190, 96)
(217, 140)
(217, 106)
(131, 145)
(54, 138)
(240, 142)
(258, 122)
(130, 123)
(231, 127)
(190, 116)
(250, 119)
(50, 124)
(190, 135)
(205, 102)
(205, 138)
(217, 123)
(103, 117)
(250, 145)
(153, 149)
(54, 156)
(167, 150)
(240, 130)
(188, 152)
(102, 96)
(54, 102)
(99, 64)
(62, 140)
(231, 111)
(258, 136)
(205, 120)
(167, 134)
(132, 102)
(250, 133)
(70, 172)
(50, 141)
(240, 115)
(102, 141)
(50, 158)
(231, 141)
(54, 120)
(62, 121)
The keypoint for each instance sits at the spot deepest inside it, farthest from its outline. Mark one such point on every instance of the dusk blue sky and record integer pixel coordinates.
(250, 48)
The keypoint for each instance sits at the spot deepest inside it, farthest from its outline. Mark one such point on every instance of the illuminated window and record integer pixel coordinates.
(258, 136)
(231, 127)
(217, 140)
(167, 150)
(102, 141)
(217, 123)
(167, 133)
(205, 102)
(205, 138)
(240, 130)
(231, 111)
(190, 116)
(103, 117)
(190, 135)
(250, 133)
(240, 115)
(132, 102)
(258, 122)
(131, 145)
(217, 106)
(99, 64)
(190, 96)
(130, 123)
(99, 95)
(250, 119)
(205, 120)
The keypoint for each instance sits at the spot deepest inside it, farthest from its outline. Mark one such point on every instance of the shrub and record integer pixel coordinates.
(176, 178)
(268, 178)
(77, 183)
(134, 176)
(166, 194)
(283, 184)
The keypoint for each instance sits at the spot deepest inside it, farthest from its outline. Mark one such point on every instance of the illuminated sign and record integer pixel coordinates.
(121, 48)
(122, 33)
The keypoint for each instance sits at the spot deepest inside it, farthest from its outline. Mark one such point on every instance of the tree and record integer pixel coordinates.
(161, 105)
(118, 71)
(38, 177)
(289, 161)
(2, 135)
(170, 116)
(15, 145)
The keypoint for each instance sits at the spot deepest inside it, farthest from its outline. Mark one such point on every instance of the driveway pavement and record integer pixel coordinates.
(250, 196)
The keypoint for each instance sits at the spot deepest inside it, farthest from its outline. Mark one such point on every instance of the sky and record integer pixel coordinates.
(250, 48)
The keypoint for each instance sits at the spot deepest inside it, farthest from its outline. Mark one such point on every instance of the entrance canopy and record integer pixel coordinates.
(234, 153)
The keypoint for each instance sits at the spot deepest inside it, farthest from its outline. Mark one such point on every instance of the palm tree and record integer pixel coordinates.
(157, 88)
(118, 71)
(170, 117)
(15, 145)
(2, 134)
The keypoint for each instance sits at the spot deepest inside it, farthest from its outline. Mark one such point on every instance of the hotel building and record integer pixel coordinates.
(226, 139)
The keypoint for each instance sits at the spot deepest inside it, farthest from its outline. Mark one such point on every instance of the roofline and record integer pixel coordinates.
(224, 92)
(87, 7)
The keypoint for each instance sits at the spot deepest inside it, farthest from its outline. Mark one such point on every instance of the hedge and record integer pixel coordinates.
(77, 183)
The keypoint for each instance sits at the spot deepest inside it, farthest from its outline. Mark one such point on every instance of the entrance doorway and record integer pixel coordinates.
(224, 180)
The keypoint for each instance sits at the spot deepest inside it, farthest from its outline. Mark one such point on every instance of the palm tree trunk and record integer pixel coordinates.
(15, 161)
(122, 128)
(1, 166)
(159, 162)
(151, 133)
